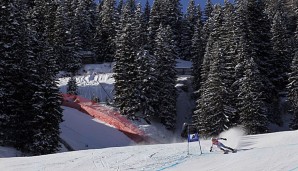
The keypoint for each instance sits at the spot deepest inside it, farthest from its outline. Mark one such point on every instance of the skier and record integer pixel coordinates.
(215, 141)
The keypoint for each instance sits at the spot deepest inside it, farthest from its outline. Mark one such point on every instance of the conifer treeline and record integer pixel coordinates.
(30, 110)
(245, 68)
(241, 53)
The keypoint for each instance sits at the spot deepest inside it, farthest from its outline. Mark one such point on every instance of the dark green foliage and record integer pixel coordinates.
(281, 49)
(166, 12)
(166, 76)
(125, 68)
(228, 60)
(251, 102)
(66, 44)
(107, 16)
(188, 28)
(72, 87)
(253, 35)
(208, 10)
(197, 54)
(293, 87)
(213, 113)
(30, 105)
(147, 89)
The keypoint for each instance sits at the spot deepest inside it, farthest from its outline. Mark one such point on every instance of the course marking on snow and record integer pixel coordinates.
(179, 161)
(296, 168)
(182, 159)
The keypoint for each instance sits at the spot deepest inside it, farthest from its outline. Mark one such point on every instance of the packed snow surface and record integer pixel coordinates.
(265, 152)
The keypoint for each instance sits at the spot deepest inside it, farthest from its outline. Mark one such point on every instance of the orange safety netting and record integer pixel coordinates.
(105, 114)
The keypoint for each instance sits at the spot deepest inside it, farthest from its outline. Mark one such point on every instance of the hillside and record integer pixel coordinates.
(276, 151)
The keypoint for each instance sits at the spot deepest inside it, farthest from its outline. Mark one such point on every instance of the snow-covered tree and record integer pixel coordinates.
(25, 122)
(251, 105)
(45, 98)
(188, 28)
(154, 22)
(66, 43)
(197, 54)
(253, 28)
(125, 70)
(282, 50)
(146, 85)
(228, 60)
(139, 29)
(146, 13)
(293, 92)
(165, 67)
(50, 18)
(107, 18)
(211, 111)
(72, 87)
(215, 23)
(83, 27)
(293, 86)
(208, 10)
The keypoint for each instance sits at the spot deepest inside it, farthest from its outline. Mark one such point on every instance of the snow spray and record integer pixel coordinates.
(233, 136)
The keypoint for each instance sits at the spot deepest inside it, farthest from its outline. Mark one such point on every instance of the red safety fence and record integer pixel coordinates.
(105, 114)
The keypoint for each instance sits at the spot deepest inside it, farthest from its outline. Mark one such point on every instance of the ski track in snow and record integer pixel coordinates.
(259, 153)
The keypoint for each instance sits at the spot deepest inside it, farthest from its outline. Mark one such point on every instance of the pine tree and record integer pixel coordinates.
(146, 13)
(154, 22)
(139, 29)
(197, 54)
(207, 28)
(228, 60)
(24, 108)
(260, 36)
(165, 67)
(45, 98)
(72, 87)
(253, 28)
(99, 42)
(215, 23)
(66, 43)
(146, 19)
(84, 25)
(173, 18)
(47, 103)
(50, 18)
(293, 89)
(165, 12)
(14, 47)
(188, 28)
(208, 10)
(146, 87)
(107, 16)
(281, 49)
(251, 103)
(211, 111)
(125, 69)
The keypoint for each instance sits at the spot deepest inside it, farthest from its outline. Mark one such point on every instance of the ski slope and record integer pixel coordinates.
(266, 152)
(82, 132)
